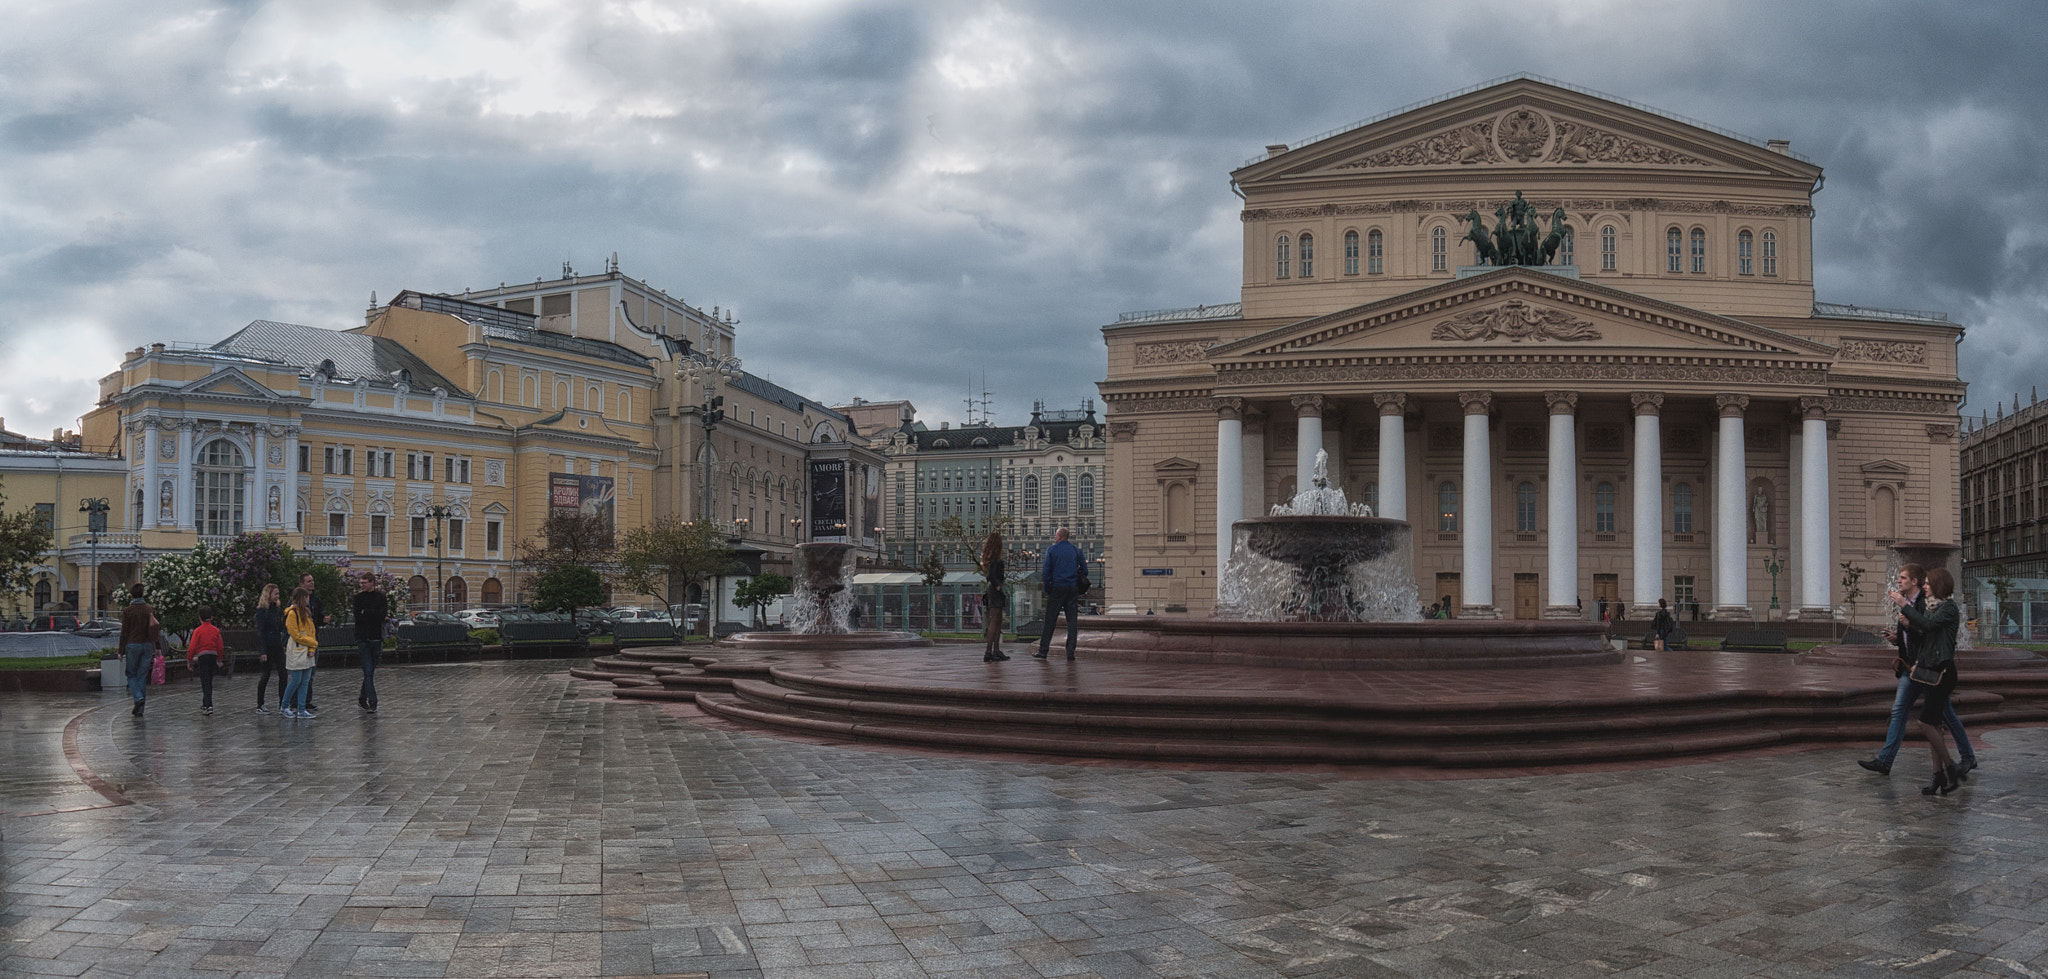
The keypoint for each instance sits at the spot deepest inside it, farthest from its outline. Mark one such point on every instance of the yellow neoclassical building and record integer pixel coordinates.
(434, 438)
(1653, 406)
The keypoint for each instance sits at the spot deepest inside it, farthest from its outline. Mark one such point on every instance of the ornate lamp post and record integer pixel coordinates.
(439, 512)
(1772, 567)
(707, 373)
(95, 508)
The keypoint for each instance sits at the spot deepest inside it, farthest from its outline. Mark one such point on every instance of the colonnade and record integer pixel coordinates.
(1812, 528)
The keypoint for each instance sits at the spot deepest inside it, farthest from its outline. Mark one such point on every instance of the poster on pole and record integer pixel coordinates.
(828, 500)
(871, 506)
(589, 495)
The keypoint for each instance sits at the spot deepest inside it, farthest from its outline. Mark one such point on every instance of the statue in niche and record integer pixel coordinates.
(164, 513)
(1760, 531)
(276, 506)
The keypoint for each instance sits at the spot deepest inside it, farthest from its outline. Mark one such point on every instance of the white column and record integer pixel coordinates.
(182, 477)
(1563, 506)
(1393, 457)
(1254, 455)
(1229, 475)
(1816, 529)
(1647, 534)
(1308, 438)
(1731, 555)
(1476, 534)
(152, 504)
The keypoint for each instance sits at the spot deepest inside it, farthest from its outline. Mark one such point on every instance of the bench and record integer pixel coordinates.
(1676, 640)
(446, 639)
(1754, 641)
(642, 632)
(540, 637)
(1858, 637)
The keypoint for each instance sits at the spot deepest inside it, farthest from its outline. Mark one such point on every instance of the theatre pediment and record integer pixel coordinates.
(1520, 310)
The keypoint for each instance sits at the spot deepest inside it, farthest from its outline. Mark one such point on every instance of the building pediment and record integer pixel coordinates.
(1523, 311)
(229, 383)
(1524, 122)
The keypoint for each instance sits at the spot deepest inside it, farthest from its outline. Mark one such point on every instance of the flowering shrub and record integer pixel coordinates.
(394, 590)
(229, 579)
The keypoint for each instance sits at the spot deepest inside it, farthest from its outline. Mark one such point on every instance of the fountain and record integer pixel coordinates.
(821, 606)
(1322, 583)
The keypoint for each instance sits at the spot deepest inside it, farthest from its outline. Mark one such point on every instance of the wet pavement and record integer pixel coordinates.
(505, 819)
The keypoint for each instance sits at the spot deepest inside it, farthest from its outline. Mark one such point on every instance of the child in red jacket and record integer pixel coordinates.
(202, 654)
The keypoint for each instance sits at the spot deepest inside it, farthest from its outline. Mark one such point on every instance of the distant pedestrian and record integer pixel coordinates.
(270, 636)
(994, 597)
(1064, 578)
(1662, 625)
(202, 654)
(140, 632)
(319, 615)
(301, 648)
(370, 606)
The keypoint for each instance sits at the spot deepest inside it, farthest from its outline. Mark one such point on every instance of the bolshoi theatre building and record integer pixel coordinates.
(1572, 340)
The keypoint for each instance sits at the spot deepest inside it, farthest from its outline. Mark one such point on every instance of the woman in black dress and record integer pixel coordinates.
(1937, 652)
(994, 598)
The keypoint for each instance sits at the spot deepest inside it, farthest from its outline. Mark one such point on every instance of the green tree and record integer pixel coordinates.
(567, 588)
(933, 569)
(23, 539)
(671, 554)
(569, 537)
(759, 592)
(1852, 577)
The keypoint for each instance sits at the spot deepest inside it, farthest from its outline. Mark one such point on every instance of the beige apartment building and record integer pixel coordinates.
(1659, 409)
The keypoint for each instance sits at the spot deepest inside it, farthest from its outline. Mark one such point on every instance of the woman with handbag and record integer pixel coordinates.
(994, 597)
(301, 645)
(270, 635)
(1934, 671)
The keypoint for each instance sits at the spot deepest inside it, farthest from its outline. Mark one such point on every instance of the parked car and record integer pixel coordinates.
(643, 615)
(98, 628)
(594, 621)
(478, 618)
(430, 618)
(53, 622)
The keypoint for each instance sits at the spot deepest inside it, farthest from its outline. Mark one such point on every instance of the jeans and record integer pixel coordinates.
(367, 651)
(1902, 707)
(140, 656)
(202, 667)
(295, 689)
(1060, 601)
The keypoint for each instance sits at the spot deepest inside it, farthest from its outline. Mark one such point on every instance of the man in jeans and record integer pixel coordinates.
(1913, 585)
(369, 608)
(1061, 578)
(139, 636)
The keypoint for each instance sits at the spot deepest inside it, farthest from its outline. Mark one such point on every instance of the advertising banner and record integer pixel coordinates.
(828, 500)
(591, 495)
(871, 506)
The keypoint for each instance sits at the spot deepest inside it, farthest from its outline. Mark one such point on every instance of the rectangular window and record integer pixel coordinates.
(1351, 253)
(1607, 248)
(492, 530)
(1674, 250)
(305, 458)
(46, 518)
(427, 466)
(419, 533)
(450, 474)
(1699, 251)
(455, 534)
(348, 462)
(412, 465)
(463, 471)
(1376, 253)
(379, 531)
(327, 460)
(1681, 595)
(337, 525)
(1770, 253)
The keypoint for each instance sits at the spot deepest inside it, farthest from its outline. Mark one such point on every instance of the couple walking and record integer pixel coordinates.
(1063, 575)
(1928, 620)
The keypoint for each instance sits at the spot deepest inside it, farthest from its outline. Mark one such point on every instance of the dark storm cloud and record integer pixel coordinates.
(898, 196)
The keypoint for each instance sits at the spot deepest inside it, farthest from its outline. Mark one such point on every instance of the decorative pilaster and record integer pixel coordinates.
(1731, 548)
(154, 511)
(1647, 528)
(1393, 502)
(182, 480)
(1563, 507)
(1476, 532)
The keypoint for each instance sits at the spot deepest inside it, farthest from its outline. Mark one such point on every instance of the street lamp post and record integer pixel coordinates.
(95, 508)
(708, 372)
(439, 512)
(1773, 568)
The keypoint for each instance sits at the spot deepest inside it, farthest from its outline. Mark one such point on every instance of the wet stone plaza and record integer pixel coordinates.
(506, 819)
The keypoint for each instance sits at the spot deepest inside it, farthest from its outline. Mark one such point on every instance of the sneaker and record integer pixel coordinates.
(308, 712)
(261, 709)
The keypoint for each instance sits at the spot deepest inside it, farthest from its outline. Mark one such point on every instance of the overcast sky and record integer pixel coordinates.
(926, 193)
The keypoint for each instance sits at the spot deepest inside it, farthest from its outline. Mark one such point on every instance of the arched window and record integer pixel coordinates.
(1308, 255)
(492, 593)
(1674, 250)
(417, 592)
(1059, 493)
(1031, 494)
(1350, 253)
(1681, 508)
(457, 593)
(1283, 258)
(626, 405)
(1607, 248)
(1376, 252)
(496, 389)
(218, 482)
(1439, 250)
(1699, 250)
(1770, 253)
(1603, 508)
(1087, 493)
(1447, 507)
(140, 497)
(1525, 508)
(1564, 252)
(1370, 496)
(42, 593)
(1745, 259)
(527, 385)
(561, 394)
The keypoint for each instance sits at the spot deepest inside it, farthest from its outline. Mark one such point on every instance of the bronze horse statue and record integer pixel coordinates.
(1559, 231)
(1480, 239)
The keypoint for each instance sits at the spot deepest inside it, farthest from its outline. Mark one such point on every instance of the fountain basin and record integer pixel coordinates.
(1420, 645)
(1319, 568)
(823, 641)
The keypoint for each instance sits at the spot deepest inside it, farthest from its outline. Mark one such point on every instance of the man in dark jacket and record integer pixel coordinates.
(139, 636)
(1912, 583)
(1061, 576)
(369, 608)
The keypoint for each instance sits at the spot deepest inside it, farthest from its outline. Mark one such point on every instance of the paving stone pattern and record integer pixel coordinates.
(504, 819)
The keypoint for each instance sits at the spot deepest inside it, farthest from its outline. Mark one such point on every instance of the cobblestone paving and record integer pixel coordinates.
(503, 819)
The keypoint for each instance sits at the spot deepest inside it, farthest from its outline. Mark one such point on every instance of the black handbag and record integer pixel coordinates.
(1081, 584)
(1927, 676)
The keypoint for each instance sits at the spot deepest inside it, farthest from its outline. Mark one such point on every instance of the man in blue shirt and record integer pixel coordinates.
(1062, 576)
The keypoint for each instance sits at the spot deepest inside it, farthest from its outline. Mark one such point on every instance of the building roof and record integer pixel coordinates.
(353, 355)
(992, 436)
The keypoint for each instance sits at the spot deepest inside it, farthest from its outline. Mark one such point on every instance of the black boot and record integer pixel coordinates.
(1941, 784)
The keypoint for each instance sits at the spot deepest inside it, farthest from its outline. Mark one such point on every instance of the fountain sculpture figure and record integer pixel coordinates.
(1319, 558)
(821, 606)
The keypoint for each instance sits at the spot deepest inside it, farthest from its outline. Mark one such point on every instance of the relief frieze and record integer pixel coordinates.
(1515, 321)
(1533, 370)
(1884, 351)
(1580, 143)
(1172, 351)
(1463, 145)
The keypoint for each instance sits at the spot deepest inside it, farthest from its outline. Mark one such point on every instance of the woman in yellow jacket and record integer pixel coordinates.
(299, 653)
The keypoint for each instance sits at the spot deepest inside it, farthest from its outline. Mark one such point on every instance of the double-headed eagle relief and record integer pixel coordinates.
(1516, 238)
